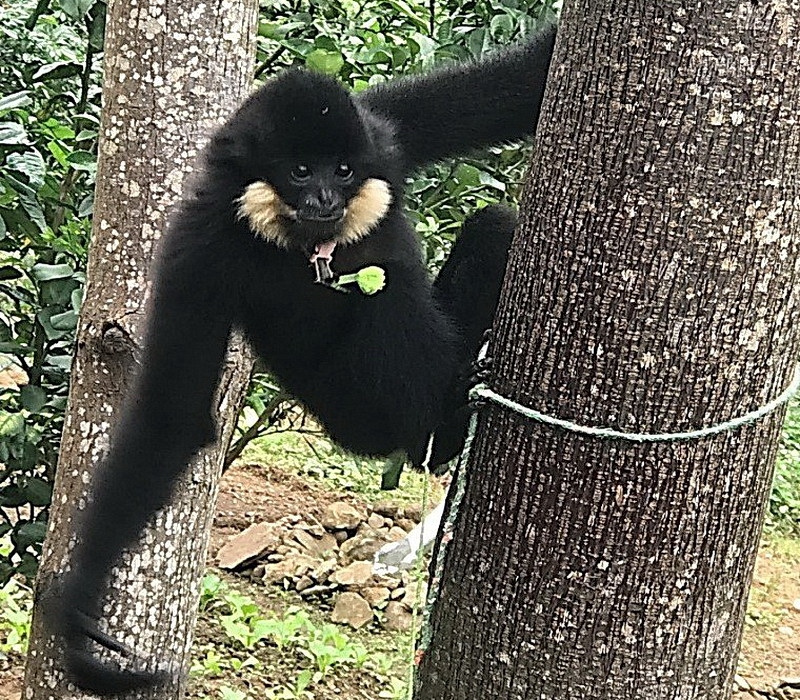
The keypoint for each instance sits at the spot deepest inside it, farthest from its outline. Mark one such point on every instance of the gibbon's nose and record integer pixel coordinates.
(323, 205)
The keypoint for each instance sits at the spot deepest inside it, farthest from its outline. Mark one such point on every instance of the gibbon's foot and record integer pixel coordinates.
(479, 371)
(88, 671)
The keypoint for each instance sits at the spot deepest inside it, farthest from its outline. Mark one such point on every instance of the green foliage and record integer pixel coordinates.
(16, 604)
(784, 502)
(315, 650)
(48, 132)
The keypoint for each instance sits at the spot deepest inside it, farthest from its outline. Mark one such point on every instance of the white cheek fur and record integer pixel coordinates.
(265, 210)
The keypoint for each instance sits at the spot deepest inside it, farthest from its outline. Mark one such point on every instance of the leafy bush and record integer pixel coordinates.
(784, 502)
(48, 134)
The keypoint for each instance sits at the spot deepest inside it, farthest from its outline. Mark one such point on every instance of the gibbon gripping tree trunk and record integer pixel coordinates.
(652, 287)
(172, 71)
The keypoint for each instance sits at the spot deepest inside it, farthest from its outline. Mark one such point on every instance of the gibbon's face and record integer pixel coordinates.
(315, 171)
(305, 202)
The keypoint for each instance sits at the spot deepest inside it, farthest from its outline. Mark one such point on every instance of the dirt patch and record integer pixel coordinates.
(771, 643)
(11, 682)
(251, 493)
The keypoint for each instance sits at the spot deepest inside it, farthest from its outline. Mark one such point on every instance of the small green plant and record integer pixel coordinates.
(296, 691)
(381, 664)
(208, 663)
(245, 625)
(228, 693)
(16, 603)
(211, 589)
(328, 647)
(397, 690)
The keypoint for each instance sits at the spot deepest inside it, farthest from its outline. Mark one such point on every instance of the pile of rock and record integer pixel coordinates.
(331, 558)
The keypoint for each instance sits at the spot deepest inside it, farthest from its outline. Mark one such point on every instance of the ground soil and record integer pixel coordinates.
(770, 661)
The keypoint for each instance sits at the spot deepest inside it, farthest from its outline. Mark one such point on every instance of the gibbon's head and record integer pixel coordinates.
(314, 170)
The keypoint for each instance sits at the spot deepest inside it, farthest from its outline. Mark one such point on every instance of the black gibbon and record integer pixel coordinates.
(302, 185)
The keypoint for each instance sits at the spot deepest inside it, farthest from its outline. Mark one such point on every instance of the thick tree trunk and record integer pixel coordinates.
(172, 71)
(653, 287)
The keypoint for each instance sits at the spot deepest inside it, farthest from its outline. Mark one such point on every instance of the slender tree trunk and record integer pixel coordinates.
(653, 287)
(172, 71)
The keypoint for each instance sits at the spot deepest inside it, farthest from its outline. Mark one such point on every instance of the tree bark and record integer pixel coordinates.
(652, 287)
(172, 72)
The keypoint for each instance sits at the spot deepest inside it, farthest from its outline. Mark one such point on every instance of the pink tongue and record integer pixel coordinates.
(324, 251)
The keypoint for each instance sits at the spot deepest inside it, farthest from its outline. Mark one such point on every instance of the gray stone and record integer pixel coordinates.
(342, 516)
(375, 595)
(396, 617)
(249, 545)
(358, 573)
(360, 548)
(351, 609)
(386, 508)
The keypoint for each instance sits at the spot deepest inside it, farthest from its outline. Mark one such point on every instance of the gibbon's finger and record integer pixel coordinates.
(85, 669)
(479, 371)
(89, 628)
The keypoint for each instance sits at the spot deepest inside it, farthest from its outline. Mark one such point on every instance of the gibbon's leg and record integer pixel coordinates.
(166, 418)
(468, 289)
(468, 284)
(395, 365)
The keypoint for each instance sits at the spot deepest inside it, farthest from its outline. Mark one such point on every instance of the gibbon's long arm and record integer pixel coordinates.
(468, 105)
(166, 418)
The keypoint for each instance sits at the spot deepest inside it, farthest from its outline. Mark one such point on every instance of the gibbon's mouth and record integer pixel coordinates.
(327, 219)
(271, 218)
(309, 233)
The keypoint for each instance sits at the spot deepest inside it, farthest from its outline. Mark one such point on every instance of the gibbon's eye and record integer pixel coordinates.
(300, 173)
(344, 171)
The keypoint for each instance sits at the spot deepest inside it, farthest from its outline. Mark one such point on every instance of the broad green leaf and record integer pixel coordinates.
(43, 272)
(501, 26)
(13, 134)
(64, 322)
(76, 299)
(9, 272)
(15, 349)
(83, 160)
(32, 398)
(467, 175)
(325, 61)
(29, 534)
(15, 100)
(37, 491)
(28, 566)
(56, 71)
(407, 9)
(11, 424)
(491, 181)
(76, 9)
(34, 210)
(97, 26)
(31, 164)
(58, 152)
(86, 206)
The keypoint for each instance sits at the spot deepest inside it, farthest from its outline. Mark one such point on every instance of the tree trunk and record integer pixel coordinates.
(652, 288)
(171, 74)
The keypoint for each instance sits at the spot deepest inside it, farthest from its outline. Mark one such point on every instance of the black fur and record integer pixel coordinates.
(379, 372)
